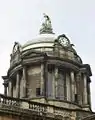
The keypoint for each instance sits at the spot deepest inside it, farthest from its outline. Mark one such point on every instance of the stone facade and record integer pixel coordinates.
(47, 76)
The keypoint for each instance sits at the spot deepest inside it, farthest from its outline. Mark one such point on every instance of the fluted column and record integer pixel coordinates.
(56, 82)
(85, 90)
(24, 81)
(17, 85)
(72, 86)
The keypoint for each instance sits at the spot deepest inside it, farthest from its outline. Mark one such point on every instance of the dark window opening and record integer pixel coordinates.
(76, 98)
(37, 91)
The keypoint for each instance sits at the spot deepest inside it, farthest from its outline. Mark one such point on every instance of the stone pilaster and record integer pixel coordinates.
(17, 85)
(72, 86)
(24, 81)
(85, 90)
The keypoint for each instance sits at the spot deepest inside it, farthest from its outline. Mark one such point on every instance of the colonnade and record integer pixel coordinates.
(8, 88)
(73, 87)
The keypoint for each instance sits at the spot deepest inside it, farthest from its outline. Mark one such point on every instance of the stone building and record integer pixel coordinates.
(47, 80)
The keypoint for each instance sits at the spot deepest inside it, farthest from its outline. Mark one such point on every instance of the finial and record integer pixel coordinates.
(46, 25)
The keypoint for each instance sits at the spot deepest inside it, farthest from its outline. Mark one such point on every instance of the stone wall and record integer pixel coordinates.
(33, 81)
(9, 117)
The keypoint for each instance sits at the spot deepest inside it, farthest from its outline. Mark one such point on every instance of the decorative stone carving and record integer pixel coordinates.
(63, 113)
(46, 25)
(17, 47)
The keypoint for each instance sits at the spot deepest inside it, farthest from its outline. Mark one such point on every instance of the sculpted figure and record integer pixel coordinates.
(46, 25)
(47, 21)
(17, 47)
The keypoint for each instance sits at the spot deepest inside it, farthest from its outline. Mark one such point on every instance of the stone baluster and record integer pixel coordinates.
(72, 86)
(24, 81)
(17, 85)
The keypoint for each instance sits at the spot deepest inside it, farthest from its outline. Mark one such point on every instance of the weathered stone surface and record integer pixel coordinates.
(48, 80)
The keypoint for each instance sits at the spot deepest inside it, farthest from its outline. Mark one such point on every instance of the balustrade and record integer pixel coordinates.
(28, 106)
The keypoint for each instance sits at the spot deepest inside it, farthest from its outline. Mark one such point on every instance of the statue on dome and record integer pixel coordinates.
(16, 47)
(47, 21)
(46, 25)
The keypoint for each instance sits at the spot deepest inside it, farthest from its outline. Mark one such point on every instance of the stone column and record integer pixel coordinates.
(85, 90)
(24, 81)
(53, 85)
(56, 82)
(65, 87)
(78, 84)
(42, 80)
(89, 94)
(6, 79)
(17, 85)
(45, 79)
(72, 86)
(5, 89)
(10, 89)
(68, 87)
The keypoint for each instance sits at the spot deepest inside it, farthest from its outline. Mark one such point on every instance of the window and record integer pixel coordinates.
(37, 91)
(76, 98)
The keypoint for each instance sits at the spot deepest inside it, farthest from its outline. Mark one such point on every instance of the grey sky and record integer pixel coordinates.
(20, 20)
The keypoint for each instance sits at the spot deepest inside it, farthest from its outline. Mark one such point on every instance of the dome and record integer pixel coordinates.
(42, 40)
(46, 37)
(48, 42)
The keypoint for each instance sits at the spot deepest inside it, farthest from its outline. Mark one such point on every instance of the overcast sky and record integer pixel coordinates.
(20, 20)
